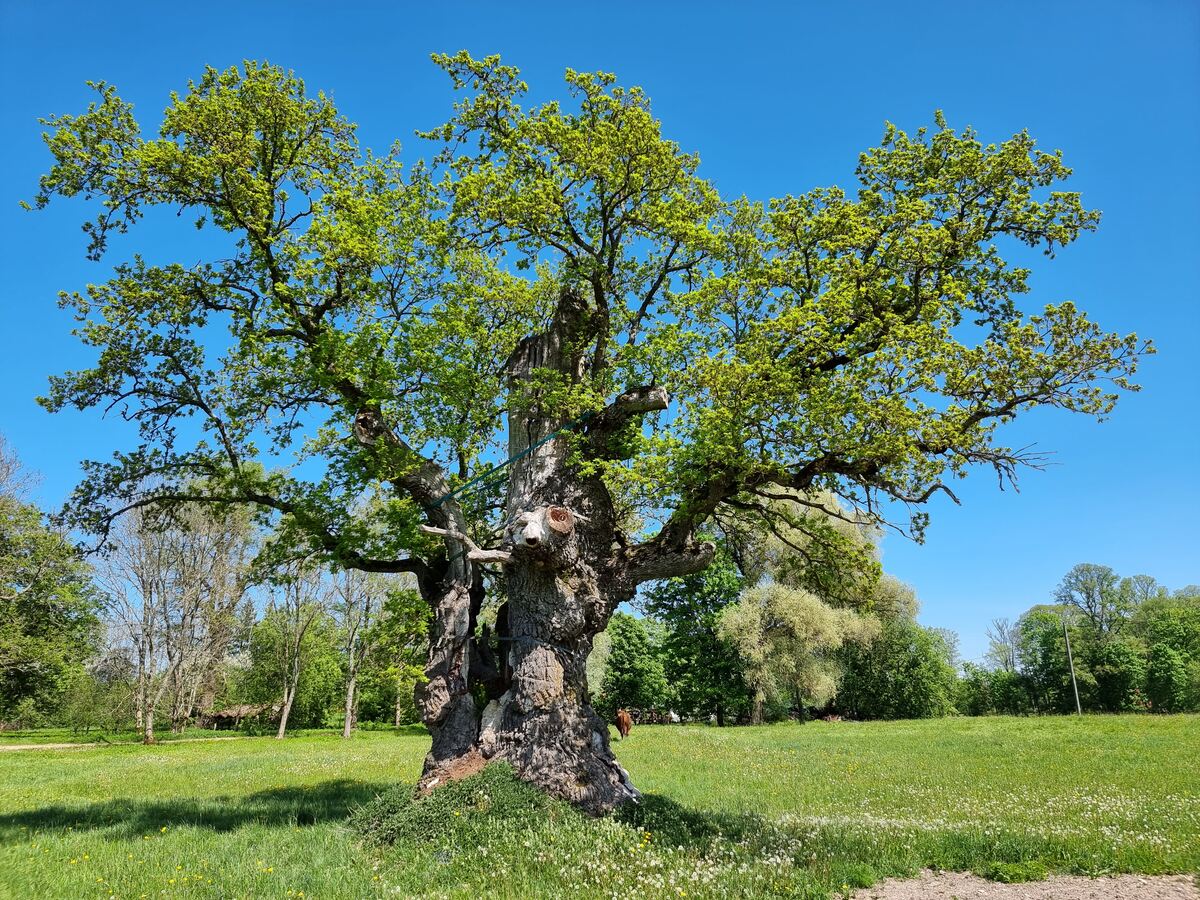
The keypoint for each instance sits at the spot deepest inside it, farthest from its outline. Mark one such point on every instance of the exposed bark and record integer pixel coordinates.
(605, 430)
(561, 580)
(543, 724)
(289, 697)
(446, 706)
(148, 724)
(351, 700)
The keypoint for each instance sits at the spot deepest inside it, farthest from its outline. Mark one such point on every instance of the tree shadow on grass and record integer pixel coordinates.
(125, 817)
(675, 825)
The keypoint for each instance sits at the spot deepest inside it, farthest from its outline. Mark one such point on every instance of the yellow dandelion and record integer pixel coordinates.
(164, 828)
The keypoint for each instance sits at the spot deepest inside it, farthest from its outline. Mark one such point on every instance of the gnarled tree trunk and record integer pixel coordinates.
(565, 569)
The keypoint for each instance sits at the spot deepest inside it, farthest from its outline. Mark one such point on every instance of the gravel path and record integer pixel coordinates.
(964, 886)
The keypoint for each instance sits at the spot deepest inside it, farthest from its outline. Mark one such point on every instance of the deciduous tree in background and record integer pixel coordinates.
(633, 673)
(1098, 593)
(703, 670)
(296, 628)
(905, 673)
(1002, 644)
(359, 603)
(176, 582)
(785, 637)
(48, 625)
(1166, 679)
(556, 279)
(1136, 646)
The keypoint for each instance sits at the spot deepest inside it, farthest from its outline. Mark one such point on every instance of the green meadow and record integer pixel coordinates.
(787, 810)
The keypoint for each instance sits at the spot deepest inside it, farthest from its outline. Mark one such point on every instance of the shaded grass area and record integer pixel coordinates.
(789, 810)
(97, 736)
(126, 818)
(36, 736)
(248, 818)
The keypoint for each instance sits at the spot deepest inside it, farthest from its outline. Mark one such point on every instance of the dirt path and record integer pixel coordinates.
(10, 748)
(963, 886)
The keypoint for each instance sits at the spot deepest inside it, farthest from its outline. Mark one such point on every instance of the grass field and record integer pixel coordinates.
(788, 810)
(96, 736)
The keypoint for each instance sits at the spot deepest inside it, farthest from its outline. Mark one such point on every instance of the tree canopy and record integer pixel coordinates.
(867, 342)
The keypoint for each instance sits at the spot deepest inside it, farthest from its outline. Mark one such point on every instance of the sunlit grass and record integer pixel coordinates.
(789, 810)
(97, 736)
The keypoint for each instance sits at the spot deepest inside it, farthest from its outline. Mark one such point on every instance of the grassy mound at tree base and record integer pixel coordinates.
(465, 809)
(492, 823)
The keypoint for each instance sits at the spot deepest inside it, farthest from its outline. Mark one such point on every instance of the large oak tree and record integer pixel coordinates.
(558, 287)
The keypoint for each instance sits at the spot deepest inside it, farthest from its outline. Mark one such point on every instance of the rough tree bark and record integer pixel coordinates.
(565, 569)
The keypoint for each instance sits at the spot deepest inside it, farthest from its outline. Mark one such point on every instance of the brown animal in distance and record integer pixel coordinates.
(624, 723)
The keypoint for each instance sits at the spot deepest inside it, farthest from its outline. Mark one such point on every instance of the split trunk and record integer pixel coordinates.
(564, 567)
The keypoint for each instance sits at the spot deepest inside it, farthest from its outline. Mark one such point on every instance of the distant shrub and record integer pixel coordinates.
(1166, 678)
(1119, 669)
(28, 714)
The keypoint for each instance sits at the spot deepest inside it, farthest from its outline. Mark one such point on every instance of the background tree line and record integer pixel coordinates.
(1136, 646)
(794, 618)
(794, 623)
(189, 614)
(197, 616)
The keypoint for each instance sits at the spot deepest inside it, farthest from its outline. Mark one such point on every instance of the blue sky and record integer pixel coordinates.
(776, 99)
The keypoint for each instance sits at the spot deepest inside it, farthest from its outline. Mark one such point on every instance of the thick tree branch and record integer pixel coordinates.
(652, 560)
(474, 552)
(326, 539)
(606, 427)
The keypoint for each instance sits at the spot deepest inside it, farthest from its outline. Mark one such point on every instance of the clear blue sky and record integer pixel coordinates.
(776, 99)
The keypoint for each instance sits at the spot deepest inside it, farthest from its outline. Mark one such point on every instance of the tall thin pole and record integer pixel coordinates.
(1071, 663)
